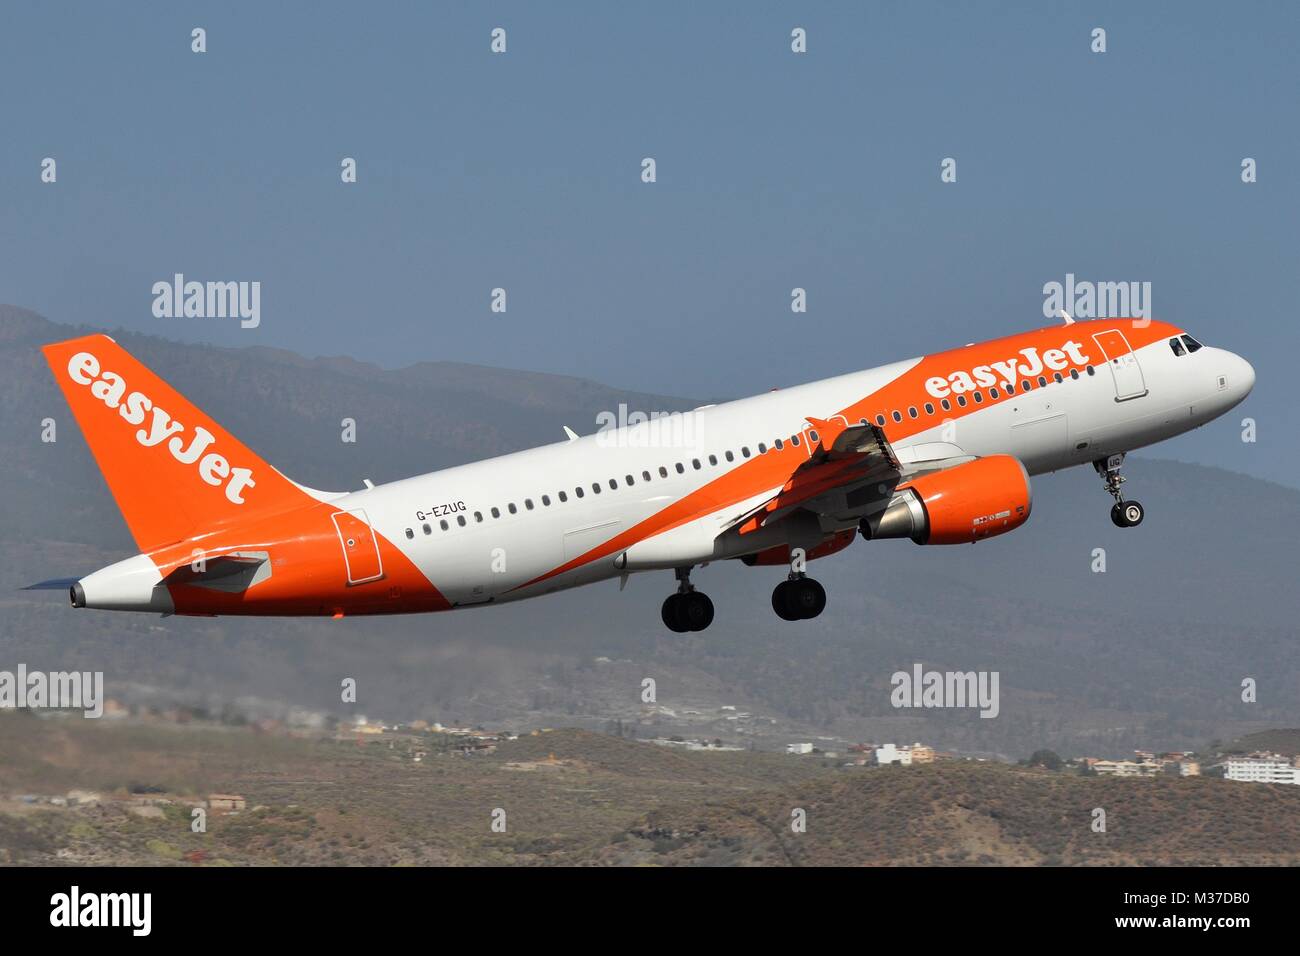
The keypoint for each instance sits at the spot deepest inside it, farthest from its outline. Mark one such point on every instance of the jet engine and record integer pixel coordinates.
(965, 503)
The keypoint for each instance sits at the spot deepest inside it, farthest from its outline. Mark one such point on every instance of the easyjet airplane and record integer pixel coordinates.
(938, 449)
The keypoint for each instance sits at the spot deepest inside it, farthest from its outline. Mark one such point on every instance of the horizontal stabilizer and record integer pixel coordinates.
(54, 584)
(214, 569)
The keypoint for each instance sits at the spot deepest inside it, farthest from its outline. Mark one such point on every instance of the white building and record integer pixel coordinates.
(798, 748)
(890, 754)
(1270, 769)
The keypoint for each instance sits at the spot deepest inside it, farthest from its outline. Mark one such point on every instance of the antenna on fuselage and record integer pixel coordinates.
(573, 436)
(1066, 315)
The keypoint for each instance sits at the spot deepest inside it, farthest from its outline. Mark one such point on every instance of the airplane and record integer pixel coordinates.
(937, 449)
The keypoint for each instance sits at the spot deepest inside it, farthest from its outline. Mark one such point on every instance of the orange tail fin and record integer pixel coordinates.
(173, 471)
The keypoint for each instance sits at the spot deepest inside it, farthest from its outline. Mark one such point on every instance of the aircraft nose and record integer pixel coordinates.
(1242, 376)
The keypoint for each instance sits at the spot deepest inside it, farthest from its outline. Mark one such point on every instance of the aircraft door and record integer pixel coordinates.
(1124, 367)
(360, 549)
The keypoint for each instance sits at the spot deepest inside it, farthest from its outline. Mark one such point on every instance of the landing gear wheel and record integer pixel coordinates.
(695, 610)
(781, 602)
(671, 614)
(801, 599)
(1127, 514)
(687, 611)
(808, 597)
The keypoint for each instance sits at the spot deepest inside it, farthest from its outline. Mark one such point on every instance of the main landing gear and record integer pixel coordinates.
(688, 609)
(1125, 514)
(799, 597)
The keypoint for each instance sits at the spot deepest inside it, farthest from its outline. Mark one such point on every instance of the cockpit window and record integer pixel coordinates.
(1177, 346)
(1191, 343)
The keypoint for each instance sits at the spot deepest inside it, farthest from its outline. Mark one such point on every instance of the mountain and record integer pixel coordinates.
(578, 798)
(1152, 652)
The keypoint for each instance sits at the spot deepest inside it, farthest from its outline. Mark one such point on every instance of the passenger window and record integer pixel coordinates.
(528, 503)
(794, 440)
(460, 520)
(947, 406)
(578, 491)
(1024, 386)
(546, 501)
(645, 476)
(713, 459)
(681, 469)
(595, 487)
(1091, 370)
(410, 533)
(563, 497)
(496, 512)
(762, 449)
(961, 400)
(443, 524)
(427, 529)
(979, 398)
(695, 463)
(1074, 374)
(663, 472)
(779, 444)
(1057, 377)
(898, 416)
(993, 393)
(911, 411)
(613, 484)
(1177, 346)
(1011, 388)
(744, 450)
(929, 408)
(730, 456)
(1191, 343)
(512, 509)
(1042, 382)
(478, 517)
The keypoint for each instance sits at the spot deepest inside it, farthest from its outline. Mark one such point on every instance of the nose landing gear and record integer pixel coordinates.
(688, 609)
(1124, 514)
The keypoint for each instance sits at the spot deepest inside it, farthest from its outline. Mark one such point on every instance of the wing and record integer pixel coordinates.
(850, 470)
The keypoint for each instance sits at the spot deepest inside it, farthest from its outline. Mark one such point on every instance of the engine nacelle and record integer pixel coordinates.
(781, 553)
(980, 499)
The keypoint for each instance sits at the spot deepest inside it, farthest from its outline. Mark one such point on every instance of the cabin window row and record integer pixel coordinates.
(629, 480)
(977, 396)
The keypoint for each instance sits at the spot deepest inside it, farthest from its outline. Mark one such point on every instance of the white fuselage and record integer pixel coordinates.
(481, 532)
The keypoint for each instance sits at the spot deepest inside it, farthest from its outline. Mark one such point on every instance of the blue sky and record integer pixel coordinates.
(775, 170)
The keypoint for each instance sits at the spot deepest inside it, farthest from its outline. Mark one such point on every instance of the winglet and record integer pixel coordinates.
(573, 436)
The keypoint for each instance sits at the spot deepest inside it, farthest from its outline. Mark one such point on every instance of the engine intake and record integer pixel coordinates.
(959, 505)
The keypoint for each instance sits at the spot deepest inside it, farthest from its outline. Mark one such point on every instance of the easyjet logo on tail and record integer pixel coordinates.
(110, 388)
(982, 376)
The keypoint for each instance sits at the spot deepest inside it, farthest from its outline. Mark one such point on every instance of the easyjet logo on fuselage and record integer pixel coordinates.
(1008, 371)
(110, 388)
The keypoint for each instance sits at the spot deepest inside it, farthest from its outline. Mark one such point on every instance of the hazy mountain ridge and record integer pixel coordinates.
(1152, 652)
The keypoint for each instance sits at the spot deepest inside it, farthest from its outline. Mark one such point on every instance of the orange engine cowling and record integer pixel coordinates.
(781, 553)
(980, 499)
